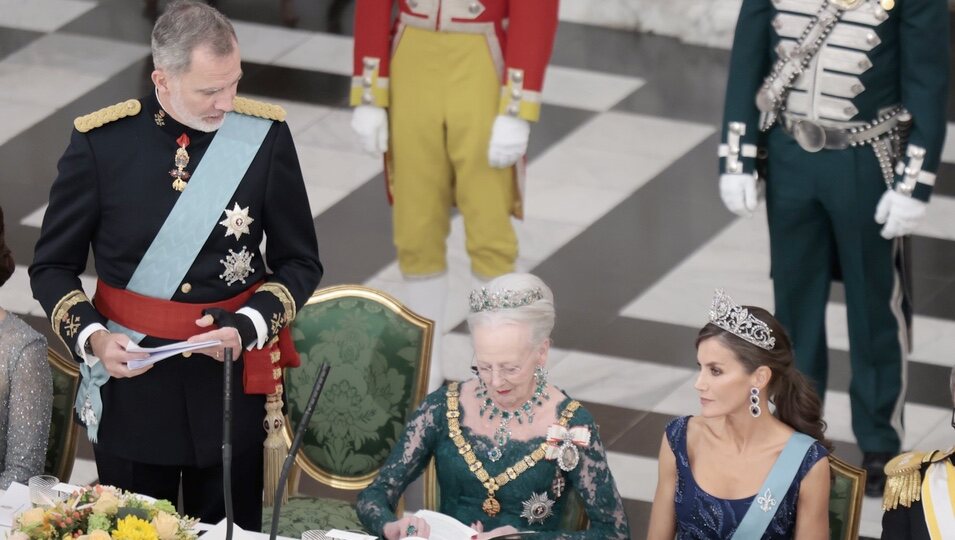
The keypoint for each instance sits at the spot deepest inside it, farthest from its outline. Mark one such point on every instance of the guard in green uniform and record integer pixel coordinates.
(843, 103)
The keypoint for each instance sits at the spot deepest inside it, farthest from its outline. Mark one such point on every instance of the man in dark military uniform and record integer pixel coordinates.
(846, 100)
(918, 500)
(175, 193)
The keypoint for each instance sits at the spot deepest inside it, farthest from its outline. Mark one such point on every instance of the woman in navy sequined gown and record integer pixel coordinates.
(712, 467)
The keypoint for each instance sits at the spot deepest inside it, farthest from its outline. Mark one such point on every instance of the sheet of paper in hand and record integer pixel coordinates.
(445, 527)
(160, 353)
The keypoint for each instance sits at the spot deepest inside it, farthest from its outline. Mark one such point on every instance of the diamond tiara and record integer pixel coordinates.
(740, 322)
(484, 300)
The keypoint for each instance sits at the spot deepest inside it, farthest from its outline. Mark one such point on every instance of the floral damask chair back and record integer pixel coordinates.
(61, 447)
(379, 353)
(845, 499)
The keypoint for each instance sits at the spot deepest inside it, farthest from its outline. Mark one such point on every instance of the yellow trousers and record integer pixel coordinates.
(444, 99)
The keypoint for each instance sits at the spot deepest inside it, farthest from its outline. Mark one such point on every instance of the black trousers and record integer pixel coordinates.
(201, 486)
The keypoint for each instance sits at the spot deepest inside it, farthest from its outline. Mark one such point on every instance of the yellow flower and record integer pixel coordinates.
(107, 503)
(134, 528)
(32, 517)
(167, 526)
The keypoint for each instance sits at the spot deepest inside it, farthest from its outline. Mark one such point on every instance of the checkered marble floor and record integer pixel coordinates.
(623, 215)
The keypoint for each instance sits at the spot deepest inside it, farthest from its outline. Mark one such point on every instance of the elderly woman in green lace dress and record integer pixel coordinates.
(508, 445)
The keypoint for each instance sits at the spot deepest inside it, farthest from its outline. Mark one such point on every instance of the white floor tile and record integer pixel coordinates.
(34, 218)
(84, 470)
(940, 219)
(589, 90)
(299, 116)
(39, 85)
(948, 151)
(335, 169)
(321, 52)
(85, 55)
(333, 130)
(737, 259)
(636, 477)
(263, 43)
(41, 15)
(621, 382)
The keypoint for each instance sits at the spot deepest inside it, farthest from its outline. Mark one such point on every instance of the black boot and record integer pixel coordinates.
(874, 465)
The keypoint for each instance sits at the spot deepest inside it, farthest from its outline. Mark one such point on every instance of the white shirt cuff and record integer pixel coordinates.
(84, 336)
(261, 330)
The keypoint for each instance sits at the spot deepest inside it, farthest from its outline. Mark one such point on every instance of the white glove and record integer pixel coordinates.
(508, 141)
(370, 122)
(901, 214)
(741, 193)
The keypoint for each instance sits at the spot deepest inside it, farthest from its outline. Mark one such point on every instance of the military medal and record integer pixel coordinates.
(538, 508)
(236, 221)
(491, 507)
(557, 486)
(238, 266)
(563, 443)
(182, 159)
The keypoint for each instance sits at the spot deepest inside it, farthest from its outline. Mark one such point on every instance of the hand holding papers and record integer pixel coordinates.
(160, 353)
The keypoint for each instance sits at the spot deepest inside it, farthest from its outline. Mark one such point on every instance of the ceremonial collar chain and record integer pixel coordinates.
(503, 433)
(491, 505)
(740, 322)
(485, 300)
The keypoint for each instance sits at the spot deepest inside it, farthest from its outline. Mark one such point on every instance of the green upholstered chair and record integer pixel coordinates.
(845, 499)
(61, 447)
(379, 353)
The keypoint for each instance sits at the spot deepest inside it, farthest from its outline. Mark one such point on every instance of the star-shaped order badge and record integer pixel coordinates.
(237, 221)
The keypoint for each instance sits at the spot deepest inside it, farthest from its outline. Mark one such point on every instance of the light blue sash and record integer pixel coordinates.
(764, 506)
(181, 237)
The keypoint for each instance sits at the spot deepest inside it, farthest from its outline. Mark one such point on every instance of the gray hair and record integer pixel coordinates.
(538, 315)
(183, 27)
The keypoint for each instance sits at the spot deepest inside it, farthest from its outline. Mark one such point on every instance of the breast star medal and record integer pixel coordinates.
(238, 266)
(538, 508)
(179, 174)
(237, 221)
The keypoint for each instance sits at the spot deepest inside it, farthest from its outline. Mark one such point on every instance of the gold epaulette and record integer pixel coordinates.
(261, 109)
(903, 483)
(93, 120)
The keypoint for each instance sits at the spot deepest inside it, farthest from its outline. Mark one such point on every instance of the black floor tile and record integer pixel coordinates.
(312, 87)
(13, 39)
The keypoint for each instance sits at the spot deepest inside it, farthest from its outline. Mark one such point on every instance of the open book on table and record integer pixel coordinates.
(445, 527)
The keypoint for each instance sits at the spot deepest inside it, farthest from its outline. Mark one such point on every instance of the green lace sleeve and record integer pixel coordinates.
(595, 485)
(376, 503)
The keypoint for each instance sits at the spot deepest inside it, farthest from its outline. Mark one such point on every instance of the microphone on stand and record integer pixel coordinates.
(227, 440)
(296, 443)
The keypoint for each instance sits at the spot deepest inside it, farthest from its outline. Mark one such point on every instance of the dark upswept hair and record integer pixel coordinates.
(6, 257)
(184, 26)
(797, 404)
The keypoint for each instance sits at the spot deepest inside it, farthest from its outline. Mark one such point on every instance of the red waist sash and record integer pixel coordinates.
(168, 319)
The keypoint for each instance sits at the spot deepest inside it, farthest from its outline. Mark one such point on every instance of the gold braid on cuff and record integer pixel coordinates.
(284, 296)
(61, 311)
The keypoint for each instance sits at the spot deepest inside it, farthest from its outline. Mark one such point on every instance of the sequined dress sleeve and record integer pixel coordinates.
(28, 397)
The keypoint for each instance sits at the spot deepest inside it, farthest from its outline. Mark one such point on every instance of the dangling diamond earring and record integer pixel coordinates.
(540, 375)
(754, 402)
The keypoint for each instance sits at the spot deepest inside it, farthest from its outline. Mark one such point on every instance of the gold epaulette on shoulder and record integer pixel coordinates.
(903, 484)
(93, 120)
(261, 109)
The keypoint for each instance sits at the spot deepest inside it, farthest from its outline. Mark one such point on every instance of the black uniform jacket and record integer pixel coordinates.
(112, 194)
(907, 523)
